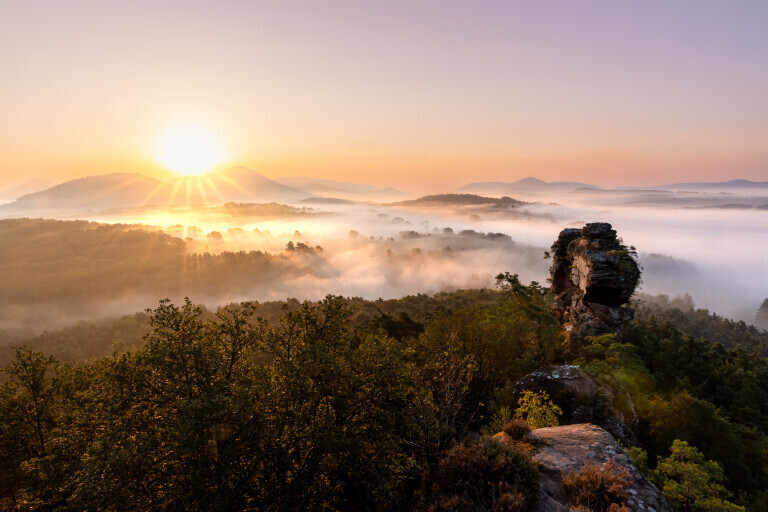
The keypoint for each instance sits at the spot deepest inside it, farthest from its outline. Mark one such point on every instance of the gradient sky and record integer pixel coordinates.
(415, 94)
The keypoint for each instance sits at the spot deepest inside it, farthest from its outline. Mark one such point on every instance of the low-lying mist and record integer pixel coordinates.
(90, 270)
(57, 273)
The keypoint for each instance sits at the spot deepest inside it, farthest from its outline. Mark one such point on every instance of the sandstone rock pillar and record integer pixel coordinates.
(593, 276)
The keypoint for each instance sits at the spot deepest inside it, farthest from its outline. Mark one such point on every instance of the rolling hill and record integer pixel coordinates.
(732, 184)
(461, 200)
(119, 190)
(28, 187)
(123, 190)
(530, 185)
(342, 189)
(239, 185)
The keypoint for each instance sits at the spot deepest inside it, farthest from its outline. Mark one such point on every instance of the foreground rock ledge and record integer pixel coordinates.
(569, 448)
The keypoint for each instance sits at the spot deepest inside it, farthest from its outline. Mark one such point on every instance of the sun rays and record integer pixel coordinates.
(190, 150)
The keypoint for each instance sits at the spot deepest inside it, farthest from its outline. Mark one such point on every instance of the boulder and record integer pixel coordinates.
(560, 450)
(581, 399)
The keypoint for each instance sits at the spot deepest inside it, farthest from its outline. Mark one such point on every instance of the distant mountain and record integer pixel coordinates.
(119, 190)
(737, 184)
(524, 185)
(122, 190)
(341, 189)
(625, 191)
(239, 185)
(304, 182)
(327, 200)
(28, 187)
(461, 200)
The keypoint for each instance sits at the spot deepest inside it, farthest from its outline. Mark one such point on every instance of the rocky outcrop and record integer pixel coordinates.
(593, 275)
(761, 317)
(582, 400)
(560, 450)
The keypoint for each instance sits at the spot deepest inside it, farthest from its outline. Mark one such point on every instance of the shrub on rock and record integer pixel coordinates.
(598, 488)
(517, 428)
(482, 475)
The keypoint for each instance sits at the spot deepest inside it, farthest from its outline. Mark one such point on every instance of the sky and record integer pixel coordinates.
(422, 95)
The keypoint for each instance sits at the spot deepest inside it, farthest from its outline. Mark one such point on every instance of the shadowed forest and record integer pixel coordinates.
(350, 404)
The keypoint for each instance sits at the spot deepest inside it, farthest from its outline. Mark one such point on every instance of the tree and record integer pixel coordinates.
(35, 460)
(33, 372)
(344, 407)
(691, 482)
(182, 423)
(533, 313)
(537, 409)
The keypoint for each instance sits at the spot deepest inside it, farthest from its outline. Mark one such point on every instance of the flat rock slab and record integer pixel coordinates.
(569, 448)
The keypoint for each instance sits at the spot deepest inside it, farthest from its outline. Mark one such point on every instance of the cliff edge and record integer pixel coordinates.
(568, 448)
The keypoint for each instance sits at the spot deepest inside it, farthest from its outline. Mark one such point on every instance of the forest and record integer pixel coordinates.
(350, 404)
(56, 273)
(86, 262)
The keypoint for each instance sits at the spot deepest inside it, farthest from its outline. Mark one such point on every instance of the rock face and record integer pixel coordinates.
(582, 400)
(593, 276)
(569, 448)
(761, 317)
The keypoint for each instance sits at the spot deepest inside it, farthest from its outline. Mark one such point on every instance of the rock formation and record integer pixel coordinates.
(560, 450)
(582, 400)
(593, 276)
(761, 317)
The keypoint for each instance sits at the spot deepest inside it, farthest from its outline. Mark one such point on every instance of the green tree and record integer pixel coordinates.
(182, 421)
(33, 372)
(40, 453)
(533, 314)
(537, 409)
(691, 482)
(196, 420)
(345, 406)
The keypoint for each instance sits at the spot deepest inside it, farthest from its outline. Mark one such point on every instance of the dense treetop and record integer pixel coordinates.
(346, 404)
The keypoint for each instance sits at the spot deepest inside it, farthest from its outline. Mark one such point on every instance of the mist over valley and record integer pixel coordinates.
(257, 239)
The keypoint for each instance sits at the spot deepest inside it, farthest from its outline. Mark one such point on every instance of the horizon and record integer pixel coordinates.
(169, 177)
(596, 92)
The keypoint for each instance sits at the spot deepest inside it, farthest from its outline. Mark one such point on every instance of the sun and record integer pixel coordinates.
(190, 150)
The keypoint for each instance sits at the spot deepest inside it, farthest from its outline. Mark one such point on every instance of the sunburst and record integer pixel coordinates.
(191, 150)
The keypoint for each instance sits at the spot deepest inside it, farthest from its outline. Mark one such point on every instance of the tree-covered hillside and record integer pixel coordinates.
(349, 404)
(55, 273)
